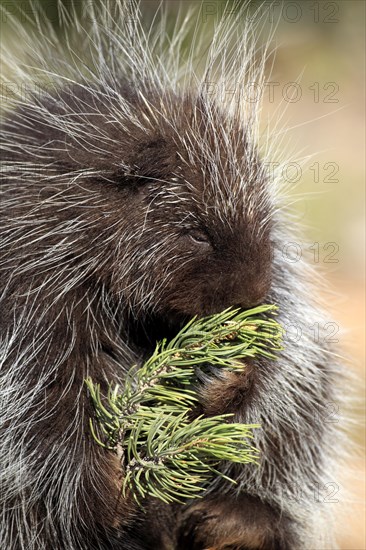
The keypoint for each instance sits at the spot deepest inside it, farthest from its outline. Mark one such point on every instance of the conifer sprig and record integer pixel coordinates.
(164, 452)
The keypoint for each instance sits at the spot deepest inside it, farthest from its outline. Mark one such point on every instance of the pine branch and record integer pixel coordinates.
(163, 452)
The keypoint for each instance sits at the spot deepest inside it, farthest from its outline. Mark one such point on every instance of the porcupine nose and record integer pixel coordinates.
(250, 302)
(252, 293)
(251, 280)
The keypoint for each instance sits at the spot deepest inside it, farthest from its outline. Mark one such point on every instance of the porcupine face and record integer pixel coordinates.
(204, 239)
(181, 214)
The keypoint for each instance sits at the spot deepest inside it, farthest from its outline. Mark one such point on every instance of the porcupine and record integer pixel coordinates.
(133, 198)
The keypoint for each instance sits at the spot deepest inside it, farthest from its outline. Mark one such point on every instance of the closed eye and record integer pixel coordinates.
(199, 238)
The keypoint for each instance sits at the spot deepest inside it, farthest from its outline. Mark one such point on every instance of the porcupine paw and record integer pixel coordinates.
(228, 392)
(245, 523)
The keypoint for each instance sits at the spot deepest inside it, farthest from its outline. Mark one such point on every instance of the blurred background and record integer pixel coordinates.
(317, 86)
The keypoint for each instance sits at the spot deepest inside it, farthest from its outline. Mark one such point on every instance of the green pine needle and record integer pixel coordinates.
(163, 452)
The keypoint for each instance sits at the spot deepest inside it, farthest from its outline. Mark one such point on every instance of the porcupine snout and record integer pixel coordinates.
(243, 275)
